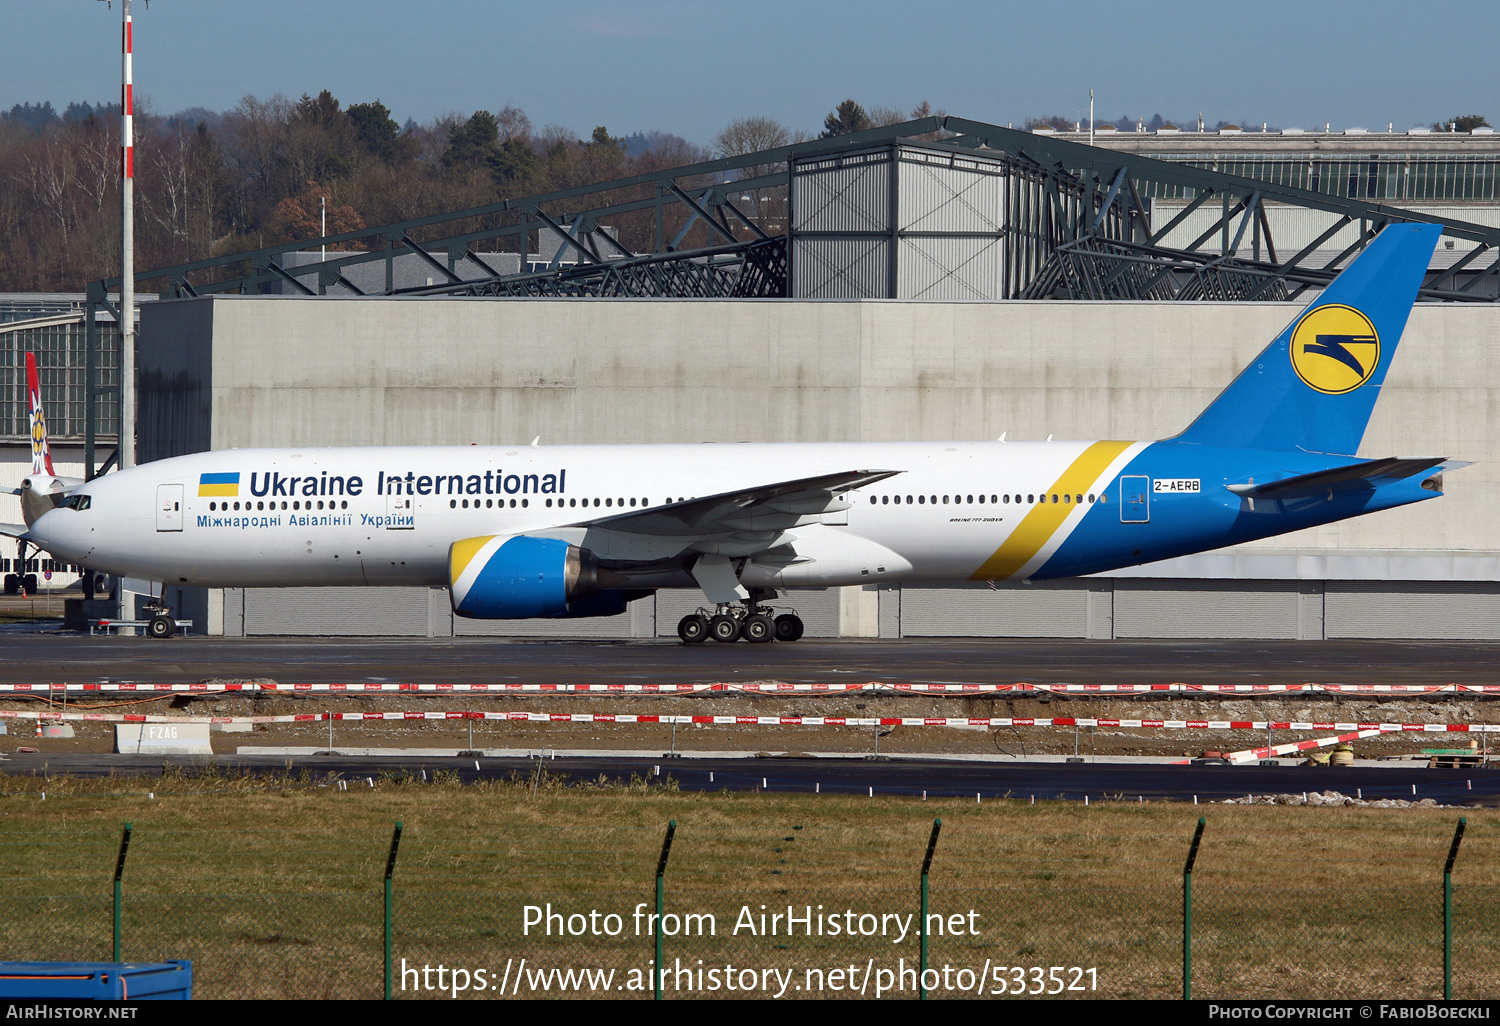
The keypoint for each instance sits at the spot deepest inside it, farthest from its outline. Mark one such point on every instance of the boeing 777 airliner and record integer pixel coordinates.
(579, 530)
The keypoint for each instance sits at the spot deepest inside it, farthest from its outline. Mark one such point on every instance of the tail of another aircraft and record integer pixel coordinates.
(1314, 387)
(42, 489)
(41, 455)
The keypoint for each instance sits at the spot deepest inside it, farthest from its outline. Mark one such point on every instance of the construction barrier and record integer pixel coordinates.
(1292, 748)
(763, 721)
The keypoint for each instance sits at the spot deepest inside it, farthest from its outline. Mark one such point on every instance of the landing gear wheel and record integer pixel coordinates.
(693, 629)
(160, 626)
(724, 628)
(789, 627)
(758, 629)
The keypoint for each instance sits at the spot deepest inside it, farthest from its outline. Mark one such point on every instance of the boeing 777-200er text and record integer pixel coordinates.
(579, 530)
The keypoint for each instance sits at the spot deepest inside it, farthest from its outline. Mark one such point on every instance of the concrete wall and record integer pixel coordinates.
(295, 371)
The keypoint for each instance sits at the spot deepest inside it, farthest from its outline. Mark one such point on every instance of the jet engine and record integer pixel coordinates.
(518, 577)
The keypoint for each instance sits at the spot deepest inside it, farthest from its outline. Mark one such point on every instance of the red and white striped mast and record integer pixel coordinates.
(126, 447)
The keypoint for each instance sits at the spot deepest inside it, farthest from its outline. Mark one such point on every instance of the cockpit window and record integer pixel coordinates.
(79, 502)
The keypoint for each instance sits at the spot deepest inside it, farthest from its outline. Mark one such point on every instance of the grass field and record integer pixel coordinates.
(274, 888)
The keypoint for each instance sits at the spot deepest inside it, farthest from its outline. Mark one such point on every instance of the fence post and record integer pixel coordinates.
(390, 868)
(937, 825)
(661, 869)
(1458, 836)
(119, 872)
(1187, 914)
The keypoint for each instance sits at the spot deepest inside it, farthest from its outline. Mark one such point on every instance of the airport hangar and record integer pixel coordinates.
(940, 279)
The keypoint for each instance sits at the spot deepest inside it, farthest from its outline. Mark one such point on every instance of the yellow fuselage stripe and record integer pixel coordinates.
(1042, 521)
(209, 490)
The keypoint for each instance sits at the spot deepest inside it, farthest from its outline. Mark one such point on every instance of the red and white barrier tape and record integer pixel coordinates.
(764, 688)
(1252, 754)
(764, 721)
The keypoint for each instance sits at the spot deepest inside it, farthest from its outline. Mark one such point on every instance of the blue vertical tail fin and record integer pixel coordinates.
(1313, 388)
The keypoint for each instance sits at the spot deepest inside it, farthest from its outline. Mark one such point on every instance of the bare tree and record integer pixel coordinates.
(514, 124)
(49, 176)
(744, 136)
(169, 164)
(255, 146)
(98, 163)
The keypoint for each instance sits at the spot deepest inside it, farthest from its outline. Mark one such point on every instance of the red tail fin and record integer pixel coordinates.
(41, 456)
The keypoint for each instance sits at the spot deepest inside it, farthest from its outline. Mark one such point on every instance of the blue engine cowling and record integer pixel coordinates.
(500, 578)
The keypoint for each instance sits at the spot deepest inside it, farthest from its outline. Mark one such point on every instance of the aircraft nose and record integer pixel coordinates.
(58, 531)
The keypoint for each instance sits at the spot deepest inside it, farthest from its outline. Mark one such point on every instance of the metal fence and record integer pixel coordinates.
(578, 909)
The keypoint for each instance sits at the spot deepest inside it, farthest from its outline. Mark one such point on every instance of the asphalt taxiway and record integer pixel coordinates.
(32, 657)
(898, 777)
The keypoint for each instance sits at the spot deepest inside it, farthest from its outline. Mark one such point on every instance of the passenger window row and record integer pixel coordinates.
(454, 503)
(997, 500)
(297, 504)
(561, 503)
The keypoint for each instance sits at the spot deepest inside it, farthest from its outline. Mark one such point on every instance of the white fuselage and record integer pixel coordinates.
(387, 516)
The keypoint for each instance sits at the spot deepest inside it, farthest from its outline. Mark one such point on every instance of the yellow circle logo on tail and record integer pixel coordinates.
(1335, 349)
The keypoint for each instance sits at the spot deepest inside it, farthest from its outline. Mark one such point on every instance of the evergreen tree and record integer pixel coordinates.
(847, 117)
(476, 141)
(373, 125)
(514, 164)
(1462, 123)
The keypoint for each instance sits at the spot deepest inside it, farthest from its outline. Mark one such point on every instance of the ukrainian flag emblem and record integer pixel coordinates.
(219, 485)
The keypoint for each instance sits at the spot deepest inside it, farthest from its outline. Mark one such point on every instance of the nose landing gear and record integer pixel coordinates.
(731, 622)
(159, 622)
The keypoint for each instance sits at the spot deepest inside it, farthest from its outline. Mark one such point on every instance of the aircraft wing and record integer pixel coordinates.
(715, 529)
(13, 530)
(1339, 479)
(769, 508)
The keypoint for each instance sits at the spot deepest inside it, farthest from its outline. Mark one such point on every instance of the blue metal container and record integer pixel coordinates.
(97, 981)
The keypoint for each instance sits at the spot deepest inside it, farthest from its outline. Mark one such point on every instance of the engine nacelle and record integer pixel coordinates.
(516, 578)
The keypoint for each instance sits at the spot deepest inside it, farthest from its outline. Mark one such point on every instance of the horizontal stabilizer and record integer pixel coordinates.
(1356, 475)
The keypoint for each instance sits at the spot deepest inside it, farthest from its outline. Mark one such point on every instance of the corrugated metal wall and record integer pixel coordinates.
(950, 229)
(942, 193)
(977, 611)
(1292, 228)
(1095, 608)
(833, 268)
(426, 612)
(950, 268)
(346, 612)
(843, 194)
(1412, 609)
(1205, 609)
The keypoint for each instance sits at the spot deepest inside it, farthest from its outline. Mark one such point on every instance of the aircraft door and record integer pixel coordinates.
(169, 507)
(1135, 500)
(399, 513)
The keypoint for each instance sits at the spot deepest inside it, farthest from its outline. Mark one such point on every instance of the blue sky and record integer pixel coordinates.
(689, 68)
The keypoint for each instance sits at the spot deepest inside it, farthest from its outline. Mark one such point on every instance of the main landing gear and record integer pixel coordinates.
(731, 622)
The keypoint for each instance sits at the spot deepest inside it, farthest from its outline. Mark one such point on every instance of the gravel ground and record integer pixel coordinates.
(98, 737)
